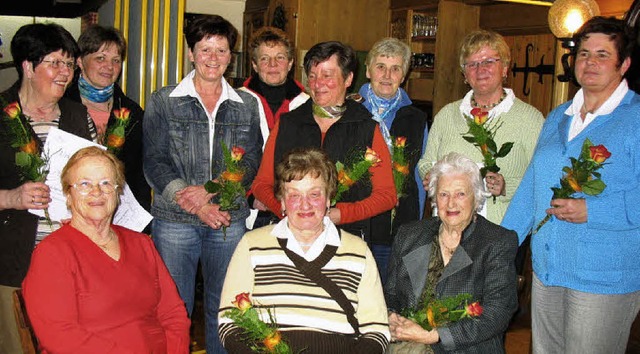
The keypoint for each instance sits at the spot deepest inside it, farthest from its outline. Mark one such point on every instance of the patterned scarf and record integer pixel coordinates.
(94, 94)
(332, 112)
(384, 110)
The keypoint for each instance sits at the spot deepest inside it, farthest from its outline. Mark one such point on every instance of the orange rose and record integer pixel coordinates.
(30, 148)
(232, 176)
(344, 179)
(401, 141)
(12, 110)
(574, 183)
(599, 153)
(371, 156)
(243, 302)
(122, 113)
(480, 116)
(115, 141)
(272, 341)
(404, 169)
(237, 153)
(473, 309)
(431, 318)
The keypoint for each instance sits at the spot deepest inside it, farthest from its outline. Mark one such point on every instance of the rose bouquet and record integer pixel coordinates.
(481, 134)
(115, 136)
(228, 186)
(260, 336)
(32, 166)
(347, 177)
(441, 312)
(581, 177)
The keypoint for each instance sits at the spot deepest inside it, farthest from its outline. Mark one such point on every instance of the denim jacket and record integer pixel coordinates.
(176, 148)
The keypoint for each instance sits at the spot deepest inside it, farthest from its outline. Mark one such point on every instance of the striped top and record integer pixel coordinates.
(259, 266)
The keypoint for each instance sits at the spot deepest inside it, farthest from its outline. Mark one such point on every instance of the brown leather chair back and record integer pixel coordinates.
(27, 337)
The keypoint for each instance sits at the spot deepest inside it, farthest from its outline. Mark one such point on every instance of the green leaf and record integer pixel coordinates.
(504, 150)
(119, 131)
(593, 187)
(470, 139)
(491, 145)
(23, 159)
(212, 187)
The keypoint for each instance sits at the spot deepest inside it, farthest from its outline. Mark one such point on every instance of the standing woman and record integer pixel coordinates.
(44, 56)
(184, 127)
(340, 127)
(484, 61)
(586, 284)
(387, 65)
(102, 50)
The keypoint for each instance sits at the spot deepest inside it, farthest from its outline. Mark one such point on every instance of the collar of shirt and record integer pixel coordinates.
(187, 88)
(577, 124)
(503, 107)
(329, 236)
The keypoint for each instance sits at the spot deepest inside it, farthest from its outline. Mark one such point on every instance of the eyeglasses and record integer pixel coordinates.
(480, 64)
(58, 63)
(597, 56)
(85, 187)
(279, 59)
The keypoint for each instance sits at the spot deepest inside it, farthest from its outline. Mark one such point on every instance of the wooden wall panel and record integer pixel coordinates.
(543, 48)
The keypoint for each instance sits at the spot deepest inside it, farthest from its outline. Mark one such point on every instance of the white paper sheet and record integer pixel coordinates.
(59, 147)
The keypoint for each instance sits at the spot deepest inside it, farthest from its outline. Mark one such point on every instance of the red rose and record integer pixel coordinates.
(401, 141)
(371, 156)
(403, 169)
(12, 110)
(232, 176)
(243, 302)
(237, 153)
(344, 179)
(272, 341)
(122, 113)
(480, 116)
(473, 309)
(599, 153)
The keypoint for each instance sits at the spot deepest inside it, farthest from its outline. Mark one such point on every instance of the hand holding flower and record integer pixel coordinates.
(571, 210)
(192, 198)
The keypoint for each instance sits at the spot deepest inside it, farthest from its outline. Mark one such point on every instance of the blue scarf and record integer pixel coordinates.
(384, 110)
(94, 94)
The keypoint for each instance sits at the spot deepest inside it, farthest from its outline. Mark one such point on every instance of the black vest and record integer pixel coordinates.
(351, 134)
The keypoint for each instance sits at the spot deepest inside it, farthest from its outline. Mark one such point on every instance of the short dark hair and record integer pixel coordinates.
(617, 30)
(206, 26)
(35, 41)
(94, 37)
(323, 51)
(271, 36)
(300, 162)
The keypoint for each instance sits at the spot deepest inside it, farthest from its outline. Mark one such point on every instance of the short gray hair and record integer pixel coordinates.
(390, 47)
(457, 164)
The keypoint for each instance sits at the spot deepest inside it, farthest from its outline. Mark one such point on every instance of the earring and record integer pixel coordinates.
(284, 212)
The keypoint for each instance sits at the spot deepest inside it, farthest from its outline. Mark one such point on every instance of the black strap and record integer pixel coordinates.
(312, 271)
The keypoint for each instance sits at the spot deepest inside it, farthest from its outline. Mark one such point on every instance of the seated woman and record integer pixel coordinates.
(321, 284)
(457, 252)
(95, 287)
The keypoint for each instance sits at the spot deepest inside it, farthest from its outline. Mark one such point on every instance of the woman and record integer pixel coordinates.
(484, 59)
(458, 252)
(184, 129)
(97, 287)
(272, 59)
(102, 51)
(44, 56)
(276, 265)
(342, 128)
(387, 65)
(586, 285)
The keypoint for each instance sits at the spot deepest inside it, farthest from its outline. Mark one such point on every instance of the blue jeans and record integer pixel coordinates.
(569, 321)
(381, 254)
(181, 246)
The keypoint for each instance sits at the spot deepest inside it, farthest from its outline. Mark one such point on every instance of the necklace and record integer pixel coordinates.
(487, 106)
(105, 245)
(448, 250)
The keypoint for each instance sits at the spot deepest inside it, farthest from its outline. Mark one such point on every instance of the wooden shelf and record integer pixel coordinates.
(422, 70)
(423, 38)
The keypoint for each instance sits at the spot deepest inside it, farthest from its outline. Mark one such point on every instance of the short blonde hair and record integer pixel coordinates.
(300, 162)
(93, 151)
(390, 47)
(475, 40)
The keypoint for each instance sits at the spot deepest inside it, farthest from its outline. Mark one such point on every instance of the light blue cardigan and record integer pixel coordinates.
(602, 255)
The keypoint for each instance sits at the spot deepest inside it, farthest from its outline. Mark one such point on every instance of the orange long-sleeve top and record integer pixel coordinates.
(383, 191)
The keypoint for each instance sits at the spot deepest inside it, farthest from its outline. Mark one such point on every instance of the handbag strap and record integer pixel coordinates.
(312, 271)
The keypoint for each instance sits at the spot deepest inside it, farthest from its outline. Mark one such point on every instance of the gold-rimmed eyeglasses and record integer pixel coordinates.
(480, 64)
(85, 187)
(58, 63)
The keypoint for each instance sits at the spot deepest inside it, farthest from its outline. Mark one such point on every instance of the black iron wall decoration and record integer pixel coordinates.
(541, 69)
(279, 17)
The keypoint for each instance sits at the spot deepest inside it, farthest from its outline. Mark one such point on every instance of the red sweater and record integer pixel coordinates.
(80, 300)
(383, 192)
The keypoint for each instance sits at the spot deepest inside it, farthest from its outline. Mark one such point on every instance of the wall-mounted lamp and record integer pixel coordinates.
(565, 18)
